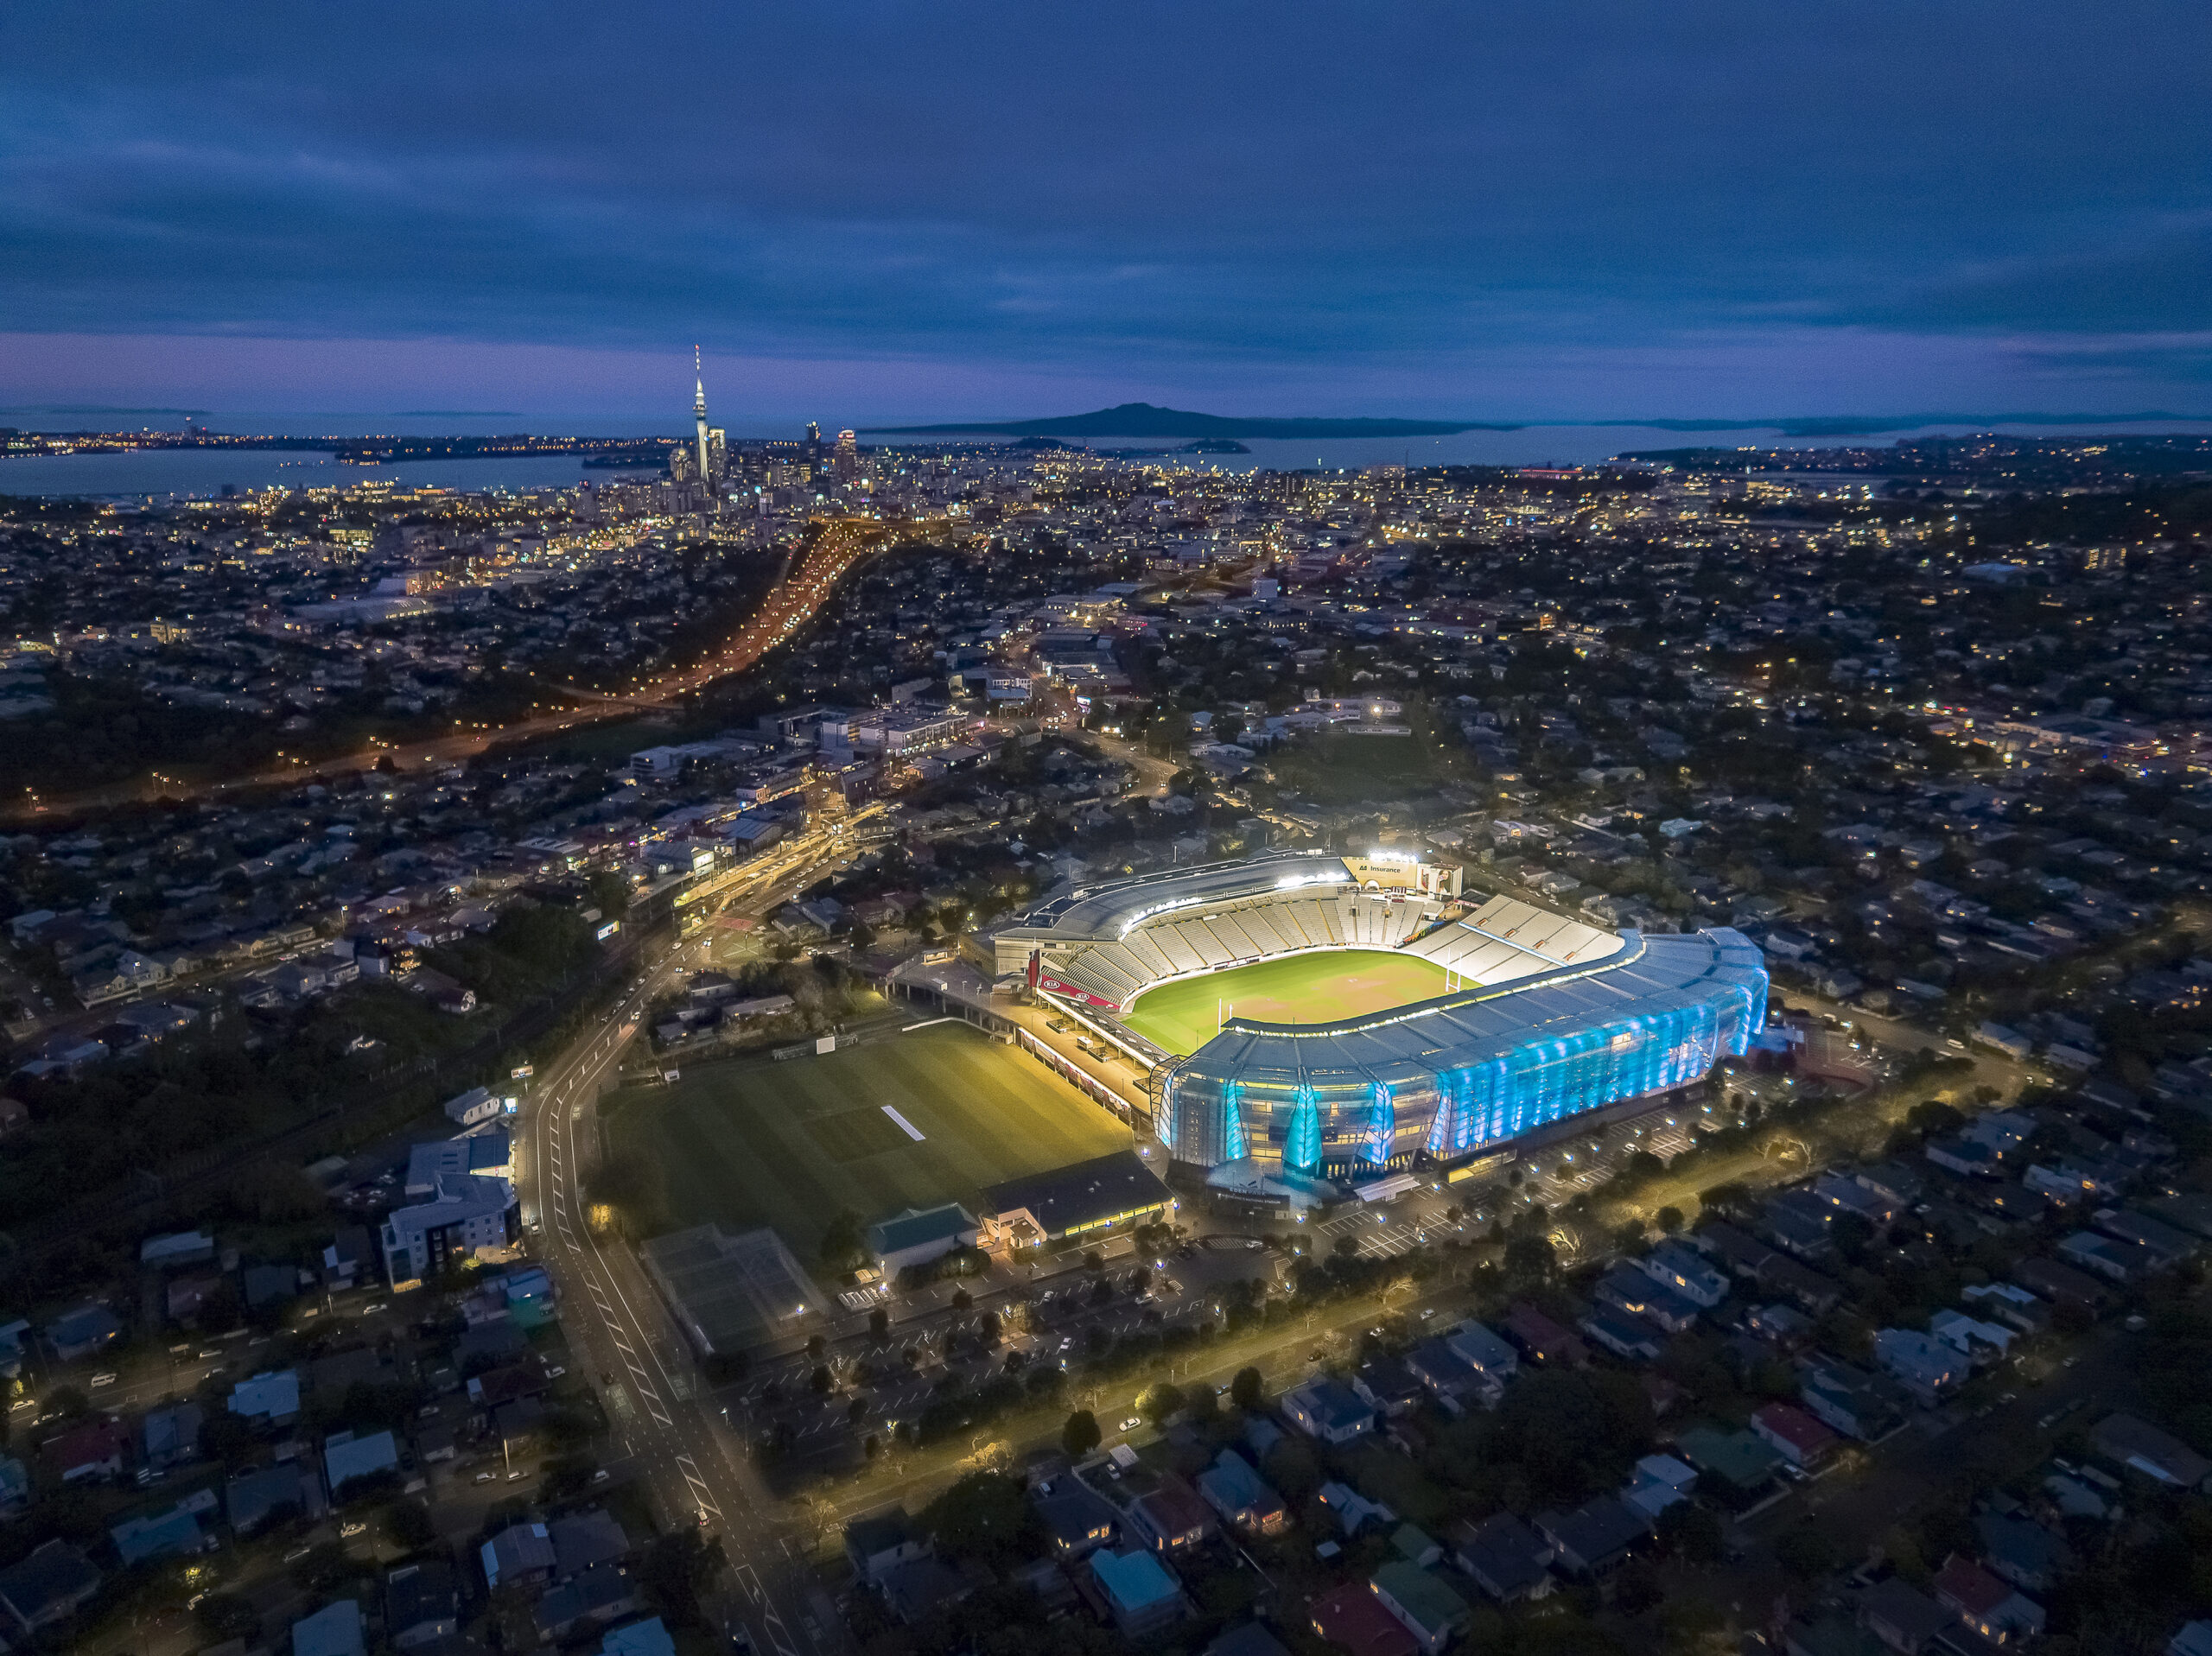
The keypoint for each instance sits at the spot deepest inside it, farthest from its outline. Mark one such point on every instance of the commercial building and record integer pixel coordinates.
(465, 1217)
(1071, 1202)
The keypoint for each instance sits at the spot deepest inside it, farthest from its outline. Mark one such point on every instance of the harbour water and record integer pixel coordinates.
(158, 473)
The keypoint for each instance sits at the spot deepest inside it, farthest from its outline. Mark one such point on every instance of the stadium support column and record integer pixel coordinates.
(1302, 1150)
(1382, 1125)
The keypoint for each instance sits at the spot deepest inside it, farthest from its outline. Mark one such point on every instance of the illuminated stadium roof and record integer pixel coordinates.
(1651, 976)
(1108, 910)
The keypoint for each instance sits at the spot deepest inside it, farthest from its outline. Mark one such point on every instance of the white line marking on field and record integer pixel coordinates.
(912, 1132)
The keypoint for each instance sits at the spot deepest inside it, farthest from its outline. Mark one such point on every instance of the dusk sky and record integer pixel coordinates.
(944, 210)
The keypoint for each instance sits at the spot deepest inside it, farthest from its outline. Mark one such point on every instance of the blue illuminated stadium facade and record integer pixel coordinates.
(1463, 1073)
(1548, 1018)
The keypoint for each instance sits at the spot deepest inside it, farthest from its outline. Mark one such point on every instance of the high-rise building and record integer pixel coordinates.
(845, 465)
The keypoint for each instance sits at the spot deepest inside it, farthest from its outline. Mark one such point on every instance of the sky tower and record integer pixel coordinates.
(699, 413)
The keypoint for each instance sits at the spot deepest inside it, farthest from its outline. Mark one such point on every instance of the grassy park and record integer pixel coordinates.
(754, 1142)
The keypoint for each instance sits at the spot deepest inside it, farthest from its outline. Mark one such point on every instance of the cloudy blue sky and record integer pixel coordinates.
(946, 210)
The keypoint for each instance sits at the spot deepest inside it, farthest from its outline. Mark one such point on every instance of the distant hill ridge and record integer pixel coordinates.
(1146, 420)
(1149, 419)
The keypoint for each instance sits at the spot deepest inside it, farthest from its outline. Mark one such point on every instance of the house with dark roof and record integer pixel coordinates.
(520, 1555)
(604, 1593)
(422, 1602)
(1850, 1400)
(1456, 1384)
(170, 1436)
(583, 1539)
(1505, 1557)
(1078, 1519)
(46, 1589)
(1172, 1519)
(253, 1497)
(1388, 1384)
(882, 1541)
(2137, 1444)
(1901, 1616)
(1242, 1496)
(2024, 1553)
(1596, 1539)
(1328, 1410)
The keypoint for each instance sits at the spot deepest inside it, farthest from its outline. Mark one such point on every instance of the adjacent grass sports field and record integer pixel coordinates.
(754, 1142)
(1316, 989)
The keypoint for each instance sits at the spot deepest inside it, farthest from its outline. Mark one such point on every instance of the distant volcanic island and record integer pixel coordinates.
(1146, 420)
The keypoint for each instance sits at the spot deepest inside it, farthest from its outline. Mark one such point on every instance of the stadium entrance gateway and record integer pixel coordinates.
(1543, 1018)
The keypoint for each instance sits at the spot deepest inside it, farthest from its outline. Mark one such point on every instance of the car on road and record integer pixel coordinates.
(99, 1380)
(1131, 1424)
(483, 1477)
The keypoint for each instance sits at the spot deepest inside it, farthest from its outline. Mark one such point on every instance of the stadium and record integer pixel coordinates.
(1309, 1016)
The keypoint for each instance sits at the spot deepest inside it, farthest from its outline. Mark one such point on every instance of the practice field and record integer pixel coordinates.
(754, 1142)
(1316, 989)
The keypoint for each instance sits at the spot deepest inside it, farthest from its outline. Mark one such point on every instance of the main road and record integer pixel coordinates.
(837, 544)
(655, 1397)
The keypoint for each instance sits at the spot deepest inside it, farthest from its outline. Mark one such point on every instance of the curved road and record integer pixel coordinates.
(841, 543)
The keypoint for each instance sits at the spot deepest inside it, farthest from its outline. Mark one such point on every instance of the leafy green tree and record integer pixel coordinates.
(1160, 1399)
(1080, 1434)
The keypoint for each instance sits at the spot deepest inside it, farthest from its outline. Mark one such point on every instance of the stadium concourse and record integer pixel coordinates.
(1509, 1020)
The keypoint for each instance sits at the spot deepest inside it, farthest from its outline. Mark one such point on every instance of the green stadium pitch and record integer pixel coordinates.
(1311, 989)
(752, 1142)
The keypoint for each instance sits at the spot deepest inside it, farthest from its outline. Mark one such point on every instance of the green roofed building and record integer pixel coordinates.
(1424, 1606)
(917, 1236)
(1744, 1458)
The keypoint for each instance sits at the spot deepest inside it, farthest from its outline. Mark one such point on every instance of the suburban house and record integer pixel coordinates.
(1423, 1605)
(1328, 1410)
(1505, 1557)
(1139, 1594)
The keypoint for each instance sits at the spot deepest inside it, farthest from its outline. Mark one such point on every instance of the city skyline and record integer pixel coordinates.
(1721, 215)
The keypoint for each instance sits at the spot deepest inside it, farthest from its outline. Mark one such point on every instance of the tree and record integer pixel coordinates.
(1529, 1260)
(407, 1524)
(1670, 1220)
(1160, 1401)
(1244, 1390)
(879, 1322)
(844, 1247)
(225, 1616)
(1081, 1434)
(984, 1516)
(678, 1568)
(1805, 1551)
